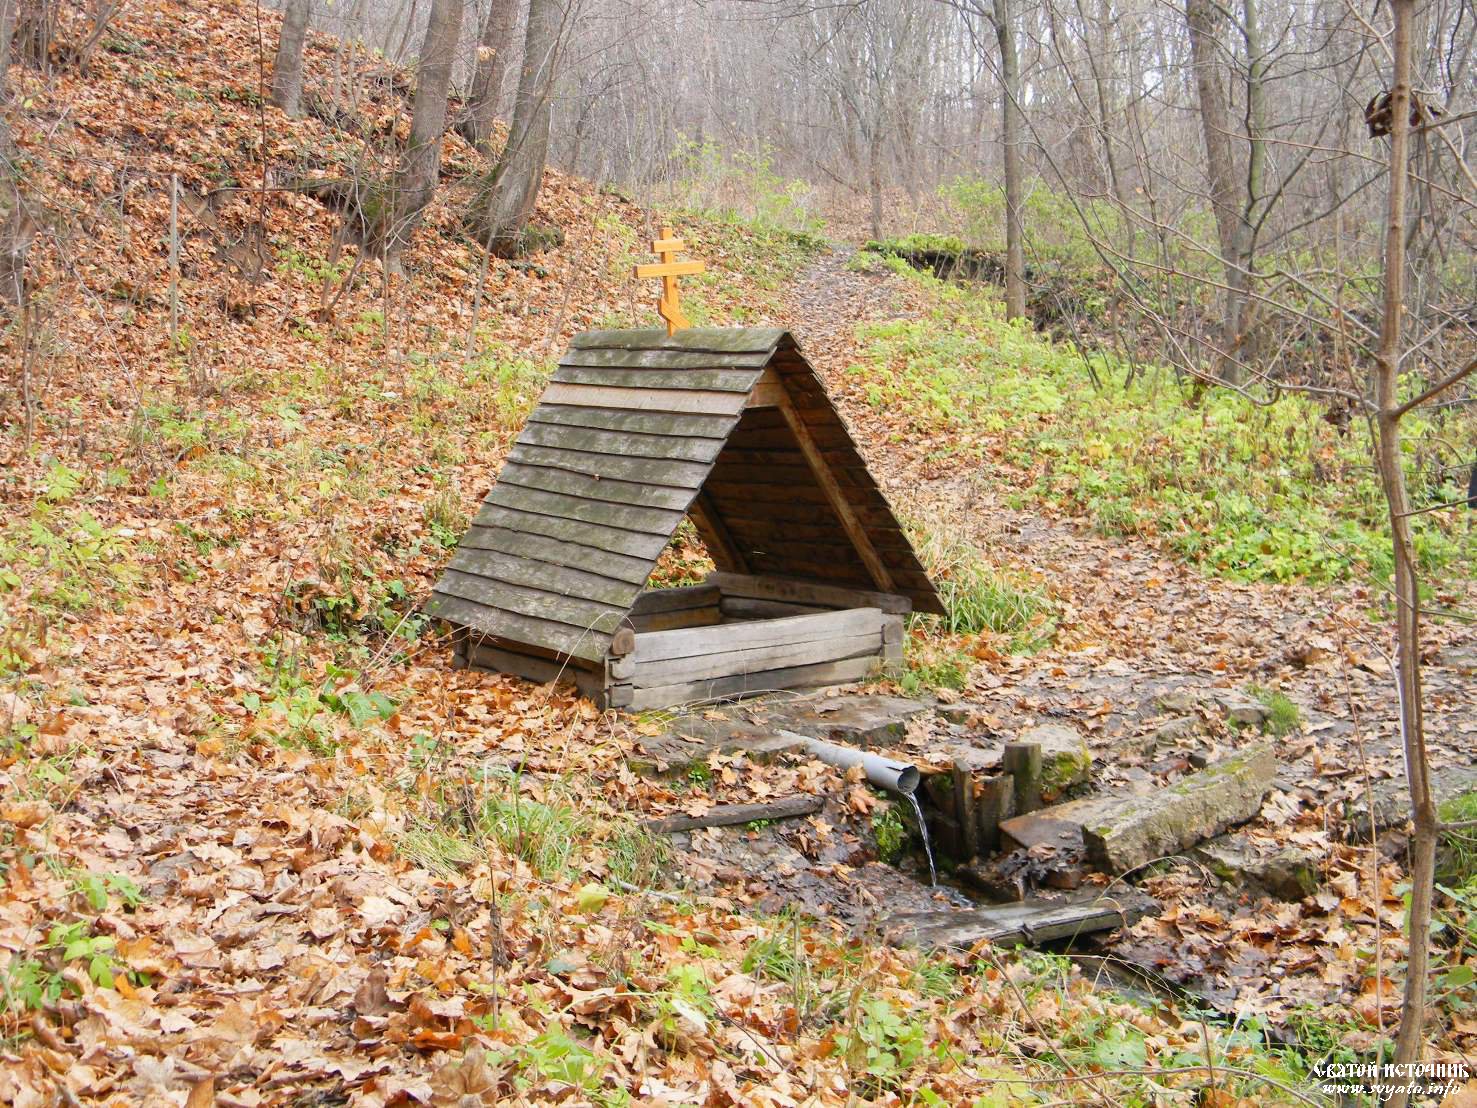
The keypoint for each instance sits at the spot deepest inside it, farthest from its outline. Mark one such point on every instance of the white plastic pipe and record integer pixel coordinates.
(887, 774)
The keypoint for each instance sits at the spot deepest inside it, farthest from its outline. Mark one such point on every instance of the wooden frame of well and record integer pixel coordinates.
(637, 431)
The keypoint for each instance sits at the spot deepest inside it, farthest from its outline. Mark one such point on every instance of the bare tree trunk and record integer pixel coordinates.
(420, 166)
(1410, 1040)
(505, 199)
(494, 48)
(1203, 20)
(287, 70)
(874, 176)
(17, 227)
(1011, 132)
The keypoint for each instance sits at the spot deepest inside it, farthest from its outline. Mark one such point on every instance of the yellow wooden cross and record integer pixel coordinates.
(669, 307)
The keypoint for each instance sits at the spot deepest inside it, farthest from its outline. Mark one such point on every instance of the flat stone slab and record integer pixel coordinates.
(1122, 832)
(1031, 922)
(1138, 829)
(1040, 828)
(1388, 801)
(866, 721)
(1289, 873)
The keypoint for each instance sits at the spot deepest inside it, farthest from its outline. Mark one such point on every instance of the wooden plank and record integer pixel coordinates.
(506, 597)
(645, 471)
(761, 419)
(669, 269)
(683, 617)
(649, 521)
(586, 487)
(613, 539)
(888, 542)
(743, 340)
(722, 380)
(766, 395)
(845, 574)
(558, 552)
(699, 401)
(742, 607)
(661, 359)
(806, 592)
(670, 424)
(498, 660)
(540, 575)
(737, 636)
(728, 470)
(724, 492)
(757, 659)
(807, 512)
(820, 553)
(557, 637)
(726, 552)
(825, 673)
(734, 815)
(671, 600)
(843, 507)
(619, 443)
(1031, 921)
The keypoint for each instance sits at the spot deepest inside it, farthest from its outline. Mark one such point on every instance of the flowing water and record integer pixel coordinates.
(933, 877)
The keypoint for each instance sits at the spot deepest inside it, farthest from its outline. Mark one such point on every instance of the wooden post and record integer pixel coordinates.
(995, 803)
(1023, 762)
(964, 810)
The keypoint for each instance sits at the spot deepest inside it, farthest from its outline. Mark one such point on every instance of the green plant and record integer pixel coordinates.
(933, 665)
(742, 187)
(890, 831)
(1251, 491)
(444, 516)
(978, 597)
(546, 834)
(1457, 861)
(301, 713)
(880, 1045)
(636, 857)
(1283, 716)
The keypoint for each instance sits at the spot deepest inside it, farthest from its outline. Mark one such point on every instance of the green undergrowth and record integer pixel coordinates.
(987, 609)
(1252, 492)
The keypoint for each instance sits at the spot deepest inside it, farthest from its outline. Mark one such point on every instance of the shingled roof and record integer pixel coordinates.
(636, 430)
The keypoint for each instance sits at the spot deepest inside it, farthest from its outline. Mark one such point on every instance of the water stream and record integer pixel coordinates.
(933, 877)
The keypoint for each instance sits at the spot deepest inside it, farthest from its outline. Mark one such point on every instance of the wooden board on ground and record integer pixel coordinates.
(1031, 922)
(733, 815)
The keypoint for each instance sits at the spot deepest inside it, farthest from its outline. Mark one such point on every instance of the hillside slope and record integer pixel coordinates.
(260, 843)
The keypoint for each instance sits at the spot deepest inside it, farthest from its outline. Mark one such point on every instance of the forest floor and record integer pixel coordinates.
(262, 845)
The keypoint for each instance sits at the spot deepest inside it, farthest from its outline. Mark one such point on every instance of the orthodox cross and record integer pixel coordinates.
(669, 307)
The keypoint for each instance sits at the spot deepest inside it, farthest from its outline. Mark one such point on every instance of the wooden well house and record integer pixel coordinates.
(637, 430)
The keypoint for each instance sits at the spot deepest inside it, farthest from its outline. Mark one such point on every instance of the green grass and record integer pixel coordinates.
(1251, 492)
(1283, 716)
(1458, 863)
(979, 597)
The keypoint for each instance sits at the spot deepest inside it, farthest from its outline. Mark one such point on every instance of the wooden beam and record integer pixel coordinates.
(792, 590)
(713, 529)
(839, 502)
